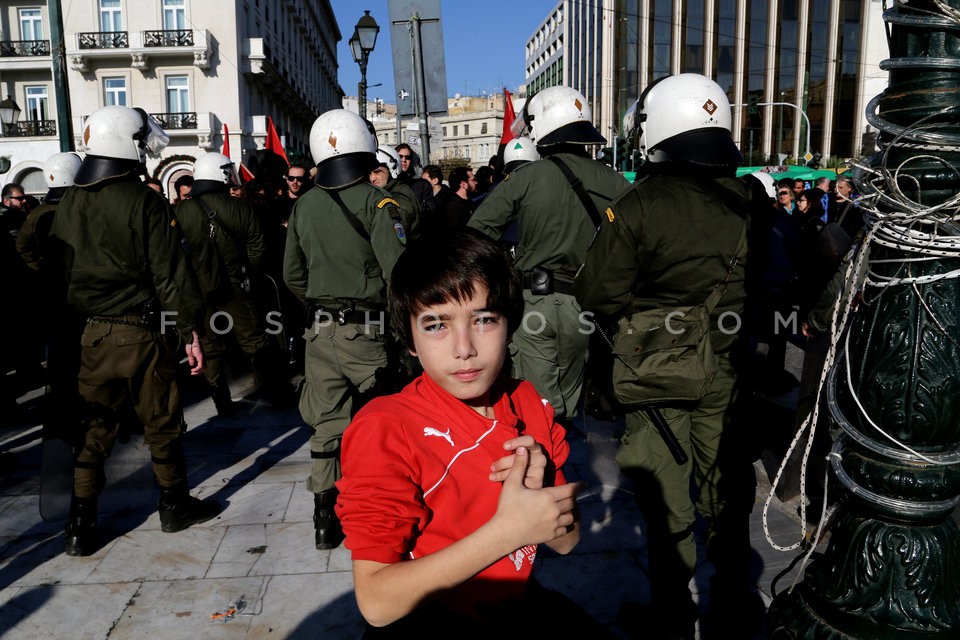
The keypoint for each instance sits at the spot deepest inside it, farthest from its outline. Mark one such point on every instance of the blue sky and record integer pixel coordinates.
(483, 44)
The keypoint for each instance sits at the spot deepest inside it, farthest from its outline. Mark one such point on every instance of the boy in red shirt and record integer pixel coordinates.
(449, 486)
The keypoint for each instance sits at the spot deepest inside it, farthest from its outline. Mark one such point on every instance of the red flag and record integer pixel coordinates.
(508, 117)
(226, 141)
(273, 141)
(245, 175)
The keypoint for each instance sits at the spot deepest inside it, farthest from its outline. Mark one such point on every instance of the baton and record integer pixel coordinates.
(667, 434)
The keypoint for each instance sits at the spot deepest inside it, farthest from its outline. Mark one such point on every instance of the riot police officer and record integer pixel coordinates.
(387, 176)
(668, 242)
(227, 272)
(342, 242)
(126, 270)
(546, 198)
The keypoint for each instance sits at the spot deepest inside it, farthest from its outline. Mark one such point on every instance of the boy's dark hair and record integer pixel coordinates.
(445, 265)
(433, 171)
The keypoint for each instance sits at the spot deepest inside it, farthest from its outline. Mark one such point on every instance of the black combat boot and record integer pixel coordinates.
(325, 520)
(179, 510)
(223, 402)
(81, 531)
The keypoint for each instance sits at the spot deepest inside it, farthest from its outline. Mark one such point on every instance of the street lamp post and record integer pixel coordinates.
(9, 114)
(361, 44)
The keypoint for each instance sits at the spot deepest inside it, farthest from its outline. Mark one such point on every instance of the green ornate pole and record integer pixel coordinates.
(891, 568)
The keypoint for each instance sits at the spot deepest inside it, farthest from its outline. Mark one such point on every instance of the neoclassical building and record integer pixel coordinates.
(195, 65)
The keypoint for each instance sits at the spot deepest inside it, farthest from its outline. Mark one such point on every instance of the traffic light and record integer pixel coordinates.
(752, 103)
(623, 151)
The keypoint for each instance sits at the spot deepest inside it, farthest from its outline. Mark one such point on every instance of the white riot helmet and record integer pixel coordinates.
(557, 115)
(216, 167)
(684, 118)
(767, 182)
(344, 147)
(389, 158)
(60, 169)
(118, 140)
(517, 152)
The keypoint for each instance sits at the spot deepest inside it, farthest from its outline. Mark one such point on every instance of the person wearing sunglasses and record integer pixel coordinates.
(785, 201)
(14, 201)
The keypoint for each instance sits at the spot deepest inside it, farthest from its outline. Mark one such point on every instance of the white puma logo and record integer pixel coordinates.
(431, 431)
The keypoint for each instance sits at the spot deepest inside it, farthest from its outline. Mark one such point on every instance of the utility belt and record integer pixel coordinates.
(541, 281)
(144, 316)
(343, 314)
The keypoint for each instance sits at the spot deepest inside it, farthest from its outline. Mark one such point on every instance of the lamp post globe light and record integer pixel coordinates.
(9, 114)
(361, 44)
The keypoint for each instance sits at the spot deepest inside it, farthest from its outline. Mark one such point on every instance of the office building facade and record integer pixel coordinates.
(781, 62)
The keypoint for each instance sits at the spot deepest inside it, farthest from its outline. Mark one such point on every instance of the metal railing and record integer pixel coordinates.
(104, 40)
(168, 38)
(17, 48)
(184, 120)
(30, 128)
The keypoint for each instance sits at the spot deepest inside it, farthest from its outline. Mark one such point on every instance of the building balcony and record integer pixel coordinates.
(143, 49)
(30, 129)
(183, 120)
(16, 48)
(103, 40)
(25, 55)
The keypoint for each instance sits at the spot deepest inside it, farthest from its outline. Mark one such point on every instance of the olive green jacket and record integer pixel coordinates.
(242, 245)
(554, 229)
(667, 242)
(120, 247)
(327, 260)
(409, 206)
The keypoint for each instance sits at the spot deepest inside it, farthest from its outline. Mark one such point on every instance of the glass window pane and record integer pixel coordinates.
(36, 102)
(31, 24)
(173, 15)
(111, 17)
(115, 91)
(177, 94)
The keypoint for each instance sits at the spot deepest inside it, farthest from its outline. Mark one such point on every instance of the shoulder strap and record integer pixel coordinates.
(577, 185)
(213, 215)
(352, 219)
(721, 287)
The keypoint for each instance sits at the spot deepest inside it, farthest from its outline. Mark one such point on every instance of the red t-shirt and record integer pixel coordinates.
(416, 469)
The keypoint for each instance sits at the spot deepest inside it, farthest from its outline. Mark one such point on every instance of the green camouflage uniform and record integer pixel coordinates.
(550, 348)
(121, 249)
(241, 246)
(666, 243)
(342, 276)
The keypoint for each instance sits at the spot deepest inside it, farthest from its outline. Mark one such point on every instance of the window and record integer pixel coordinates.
(455, 130)
(466, 129)
(37, 106)
(178, 94)
(444, 132)
(31, 24)
(174, 18)
(483, 127)
(115, 92)
(111, 17)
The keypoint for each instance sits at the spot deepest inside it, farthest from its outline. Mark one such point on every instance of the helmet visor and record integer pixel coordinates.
(152, 137)
(521, 123)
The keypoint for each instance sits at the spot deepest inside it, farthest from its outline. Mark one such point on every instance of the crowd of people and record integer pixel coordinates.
(434, 322)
